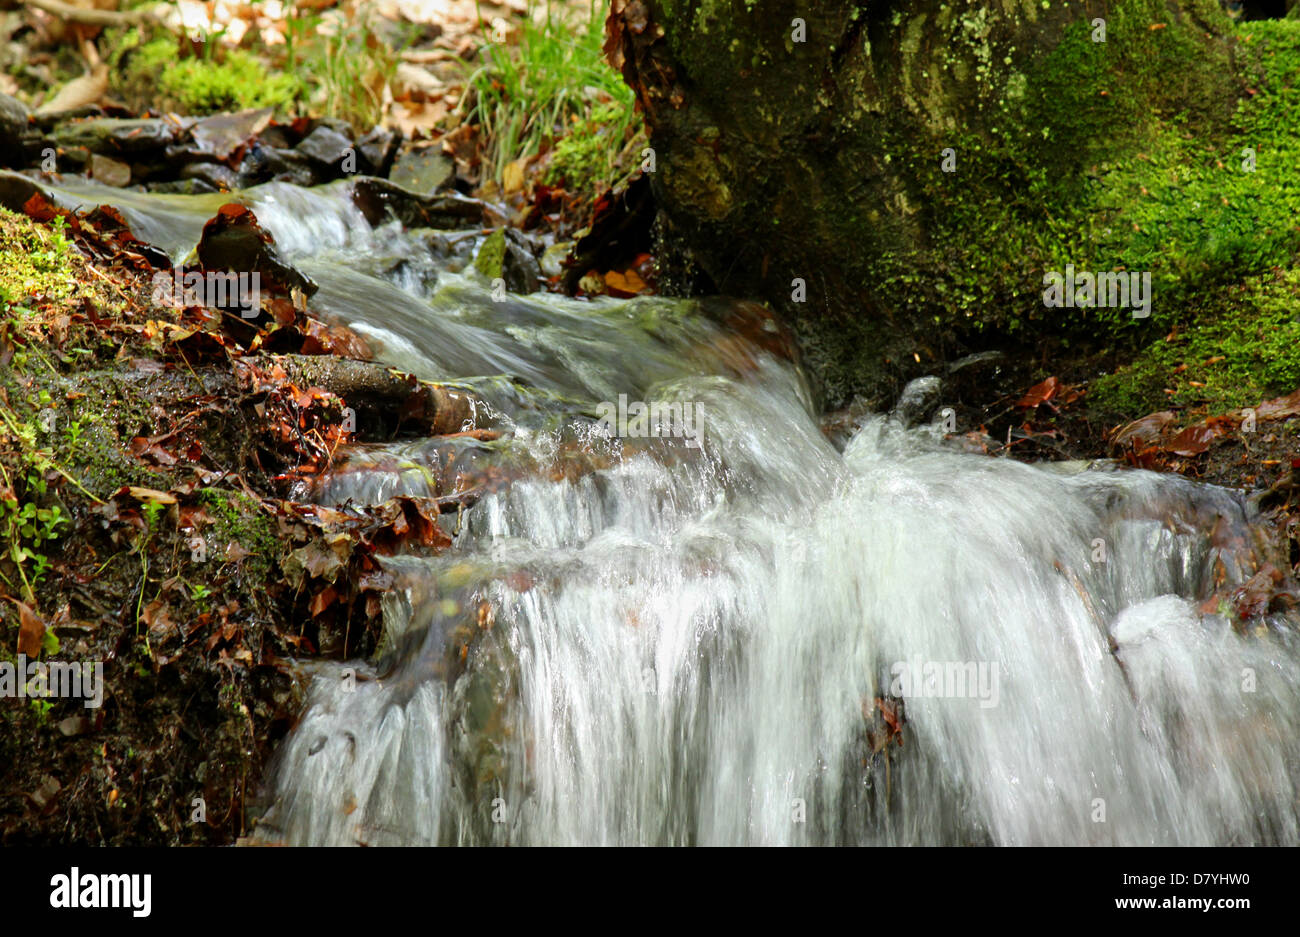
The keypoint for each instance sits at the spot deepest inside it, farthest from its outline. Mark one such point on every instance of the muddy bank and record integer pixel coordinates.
(148, 452)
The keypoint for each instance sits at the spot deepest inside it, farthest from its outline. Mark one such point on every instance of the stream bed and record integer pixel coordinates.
(713, 624)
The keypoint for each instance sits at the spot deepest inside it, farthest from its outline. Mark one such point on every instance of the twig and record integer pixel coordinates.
(73, 14)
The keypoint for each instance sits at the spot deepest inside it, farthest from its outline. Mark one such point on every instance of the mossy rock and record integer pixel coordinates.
(155, 75)
(898, 180)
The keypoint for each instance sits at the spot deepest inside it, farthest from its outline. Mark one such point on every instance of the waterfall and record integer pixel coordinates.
(765, 638)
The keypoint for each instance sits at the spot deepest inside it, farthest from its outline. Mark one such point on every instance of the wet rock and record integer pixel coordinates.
(183, 187)
(234, 241)
(109, 171)
(453, 252)
(13, 125)
(220, 135)
(219, 177)
(377, 149)
(280, 136)
(423, 171)
(326, 147)
(508, 255)
(72, 159)
(264, 164)
(15, 190)
(380, 199)
(918, 399)
(111, 136)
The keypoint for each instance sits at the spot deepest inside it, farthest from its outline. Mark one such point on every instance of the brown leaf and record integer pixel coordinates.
(1192, 441)
(625, 284)
(158, 620)
(1039, 393)
(31, 630)
(151, 494)
(1142, 431)
(322, 600)
(1279, 408)
(79, 92)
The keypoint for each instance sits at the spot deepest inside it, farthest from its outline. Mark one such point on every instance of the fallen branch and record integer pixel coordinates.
(377, 391)
(91, 17)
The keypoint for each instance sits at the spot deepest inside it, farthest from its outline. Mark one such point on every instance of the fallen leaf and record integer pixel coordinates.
(31, 630)
(151, 494)
(1040, 393)
(79, 92)
(1192, 441)
(628, 283)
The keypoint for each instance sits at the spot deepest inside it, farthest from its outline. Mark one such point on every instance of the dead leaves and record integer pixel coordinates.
(1151, 442)
(299, 428)
(323, 558)
(1269, 590)
(627, 283)
(336, 573)
(31, 630)
(885, 721)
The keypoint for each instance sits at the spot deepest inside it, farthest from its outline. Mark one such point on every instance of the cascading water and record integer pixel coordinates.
(648, 642)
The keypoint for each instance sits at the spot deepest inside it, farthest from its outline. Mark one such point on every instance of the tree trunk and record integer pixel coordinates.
(877, 171)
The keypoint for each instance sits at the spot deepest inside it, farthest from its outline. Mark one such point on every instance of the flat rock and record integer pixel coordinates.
(111, 136)
(214, 174)
(380, 199)
(109, 171)
(423, 171)
(326, 147)
(221, 134)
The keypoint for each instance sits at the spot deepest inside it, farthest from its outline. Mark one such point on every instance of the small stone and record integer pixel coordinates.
(266, 163)
(377, 149)
(48, 790)
(115, 137)
(422, 171)
(326, 147)
(74, 725)
(221, 178)
(919, 397)
(507, 254)
(108, 171)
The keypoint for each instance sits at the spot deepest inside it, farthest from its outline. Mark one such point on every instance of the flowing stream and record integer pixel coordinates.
(657, 642)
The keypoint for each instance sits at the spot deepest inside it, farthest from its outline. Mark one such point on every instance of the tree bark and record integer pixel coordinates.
(799, 147)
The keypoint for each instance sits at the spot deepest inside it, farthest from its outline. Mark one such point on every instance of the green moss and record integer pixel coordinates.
(241, 520)
(157, 74)
(37, 263)
(239, 82)
(587, 155)
(1123, 155)
(1243, 349)
(491, 256)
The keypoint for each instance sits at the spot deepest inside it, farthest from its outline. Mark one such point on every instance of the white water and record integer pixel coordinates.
(682, 645)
